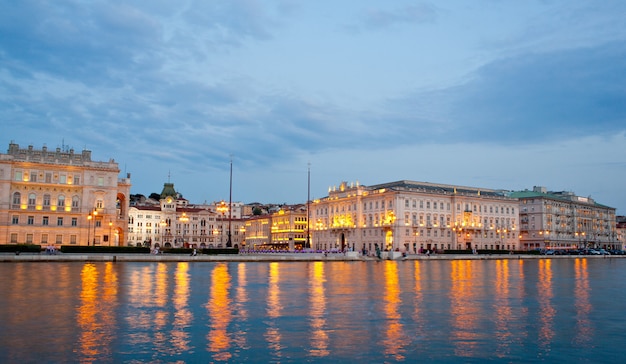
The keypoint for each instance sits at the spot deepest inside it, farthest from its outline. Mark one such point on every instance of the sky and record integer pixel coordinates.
(490, 94)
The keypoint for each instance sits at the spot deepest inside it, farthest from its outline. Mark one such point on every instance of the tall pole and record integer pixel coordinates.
(308, 208)
(89, 229)
(95, 213)
(229, 242)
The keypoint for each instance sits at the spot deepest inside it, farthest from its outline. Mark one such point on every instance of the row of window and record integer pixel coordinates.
(53, 177)
(29, 239)
(46, 200)
(48, 177)
(46, 220)
(372, 205)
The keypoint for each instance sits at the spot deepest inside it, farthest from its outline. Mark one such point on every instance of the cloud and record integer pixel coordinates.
(541, 96)
(379, 18)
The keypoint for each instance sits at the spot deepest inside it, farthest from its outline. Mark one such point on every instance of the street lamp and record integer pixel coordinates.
(94, 226)
(110, 226)
(222, 208)
(184, 220)
(89, 217)
(163, 224)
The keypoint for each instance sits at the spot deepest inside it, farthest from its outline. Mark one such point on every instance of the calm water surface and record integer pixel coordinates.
(568, 310)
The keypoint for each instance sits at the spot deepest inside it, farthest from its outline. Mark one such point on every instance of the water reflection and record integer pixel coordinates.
(161, 339)
(273, 311)
(584, 329)
(412, 311)
(502, 309)
(182, 315)
(240, 306)
(418, 315)
(546, 310)
(394, 334)
(317, 297)
(219, 313)
(97, 326)
(464, 309)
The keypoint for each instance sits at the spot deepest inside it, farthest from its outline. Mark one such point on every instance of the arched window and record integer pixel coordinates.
(61, 201)
(17, 199)
(75, 202)
(32, 198)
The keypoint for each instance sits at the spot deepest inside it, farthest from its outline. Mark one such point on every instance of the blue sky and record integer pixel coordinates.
(493, 94)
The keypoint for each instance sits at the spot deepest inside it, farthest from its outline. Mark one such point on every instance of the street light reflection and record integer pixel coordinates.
(317, 294)
(183, 316)
(546, 310)
(393, 342)
(219, 311)
(274, 310)
(584, 329)
(464, 310)
(502, 309)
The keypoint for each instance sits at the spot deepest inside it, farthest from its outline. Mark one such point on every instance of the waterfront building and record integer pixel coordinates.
(621, 231)
(562, 220)
(283, 229)
(414, 217)
(174, 222)
(60, 197)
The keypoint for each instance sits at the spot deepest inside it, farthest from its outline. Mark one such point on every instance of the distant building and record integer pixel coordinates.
(174, 222)
(414, 216)
(553, 220)
(283, 229)
(621, 231)
(61, 197)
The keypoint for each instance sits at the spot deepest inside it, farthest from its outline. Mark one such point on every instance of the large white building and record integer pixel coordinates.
(60, 197)
(558, 220)
(414, 216)
(174, 222)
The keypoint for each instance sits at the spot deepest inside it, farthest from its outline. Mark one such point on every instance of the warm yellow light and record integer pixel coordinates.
(23, 207)
(39, 208)
(68, 208)
(53, 208)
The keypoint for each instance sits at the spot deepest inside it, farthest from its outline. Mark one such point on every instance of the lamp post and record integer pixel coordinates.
(89, 217)
(110, 227)
(229, 242)
(92, 216)
(222, 208)
(163, 224)
(184, 220)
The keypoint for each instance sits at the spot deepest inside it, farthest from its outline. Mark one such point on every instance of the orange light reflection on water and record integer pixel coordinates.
(463, 308)
(274, 309)
(95, 315)
(393, 342)
(220, 314)
(239, 307)
(502, 308)
(546, 310)
(87, 322)
(584, 330)
(317, 294)
(182, 314)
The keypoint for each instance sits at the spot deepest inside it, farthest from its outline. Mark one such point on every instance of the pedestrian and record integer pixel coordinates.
(377, 251)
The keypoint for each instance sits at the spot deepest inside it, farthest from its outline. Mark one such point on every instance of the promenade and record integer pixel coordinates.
(271, 257)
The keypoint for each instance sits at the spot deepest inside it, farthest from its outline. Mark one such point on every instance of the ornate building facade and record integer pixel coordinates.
(558, 220)
(285, 229)
(174, 222)
(414, 216)
(61, 198)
